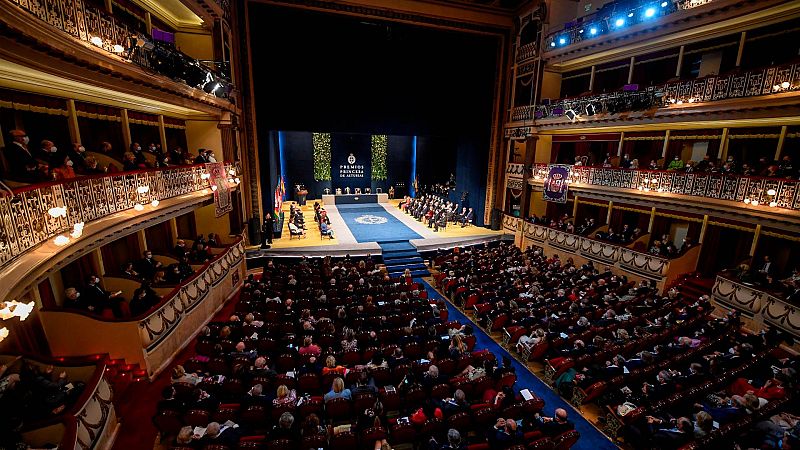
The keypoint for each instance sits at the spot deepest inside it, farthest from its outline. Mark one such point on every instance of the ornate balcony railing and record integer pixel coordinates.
(642, 264)
(26, 215)
(758, 305)
(526, 51)
(612, 19)
(95, 26)
(87, 423)
(752, 191)
(753, 83)
(152, 340)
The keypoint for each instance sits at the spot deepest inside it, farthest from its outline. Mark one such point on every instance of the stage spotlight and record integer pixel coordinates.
(620, 22)
(582, 30)
(562, 41)
(664, 4)
(571, 115)
(650, 12)
(593, 31)
(630, 14)
(553, 44)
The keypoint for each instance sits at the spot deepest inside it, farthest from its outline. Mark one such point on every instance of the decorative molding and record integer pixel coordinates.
(758, 304)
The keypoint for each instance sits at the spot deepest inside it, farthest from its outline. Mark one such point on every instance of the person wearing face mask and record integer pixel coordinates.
(98, 298)
(675, 164)
(77, 154)
(48, 153)
(143, 299)
(65, 170)
(75, 301)
(201, 157)
(22, 164)
(148, 265)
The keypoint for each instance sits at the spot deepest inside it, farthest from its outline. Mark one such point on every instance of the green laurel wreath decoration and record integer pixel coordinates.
(379, 146)
(322, 156)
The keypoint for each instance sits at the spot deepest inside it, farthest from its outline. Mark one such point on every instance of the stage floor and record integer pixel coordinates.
(359, 229)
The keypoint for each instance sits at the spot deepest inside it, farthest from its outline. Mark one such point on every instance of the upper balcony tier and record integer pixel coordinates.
(623, 30)
(766, 92)
(76, 215)
(86, 44)
(768, 200)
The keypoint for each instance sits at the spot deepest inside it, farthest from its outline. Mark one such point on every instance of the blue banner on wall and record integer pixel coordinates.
(556, 183)
(351, 161)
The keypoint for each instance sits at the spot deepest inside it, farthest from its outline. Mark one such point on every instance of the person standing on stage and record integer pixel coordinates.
(266, 230)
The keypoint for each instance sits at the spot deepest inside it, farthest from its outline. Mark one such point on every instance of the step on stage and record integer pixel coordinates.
(372, 225)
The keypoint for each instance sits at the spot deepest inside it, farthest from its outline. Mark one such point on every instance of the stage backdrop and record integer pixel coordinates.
(351, 161)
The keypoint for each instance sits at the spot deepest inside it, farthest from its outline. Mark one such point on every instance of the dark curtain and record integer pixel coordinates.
(25, 337)
(723, 248)
(96, 131)
(77, 272)
(120, 252)
(159, 238)
(632, 218)
(785, 254)
(187, 229)
(176, 137)
(644, 151)
(146, 135)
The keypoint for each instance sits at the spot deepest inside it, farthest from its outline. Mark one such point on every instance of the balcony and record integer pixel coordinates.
(91, 421)
(763, 89)
(756, 305)
(771, 196)
(96, 42)
(640, 265)
(151, 340)
(623, 31)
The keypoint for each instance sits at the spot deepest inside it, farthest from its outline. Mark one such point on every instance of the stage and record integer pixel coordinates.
(372, 228)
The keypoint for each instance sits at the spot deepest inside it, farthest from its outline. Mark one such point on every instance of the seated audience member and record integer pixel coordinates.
(180, 249)
(129, 271)
(74, 300)
(309, 348)
(170, 401)
(143, 299)
(99, 299)
(285, 428)
(93, 167)
(129, 162)
(553, 426)
(22, 165)
(454, 442)
(505, 434)
(201, 254)
(179, 375)
(49, 154)
(217, 435)
(185, 438)
(64, 170)
(325, 229)
(77, 154)
(285, 396)
(337, 390)
(147, 266)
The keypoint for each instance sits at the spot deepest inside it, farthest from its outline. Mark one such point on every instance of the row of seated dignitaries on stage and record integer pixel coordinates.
(668, 370)
(324, 352)
(437, 211)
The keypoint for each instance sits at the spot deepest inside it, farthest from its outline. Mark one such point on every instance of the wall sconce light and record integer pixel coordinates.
(77, 230)
(154, 203)
(138, 207)
(143, 189)
(214, 187)
(57, 211)
(61, 240)
(118, 48)
(96, 40)
(205, 176)
(14, 308)
(3, 333)
(237, 180)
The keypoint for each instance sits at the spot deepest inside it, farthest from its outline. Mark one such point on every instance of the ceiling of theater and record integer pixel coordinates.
(503, 5)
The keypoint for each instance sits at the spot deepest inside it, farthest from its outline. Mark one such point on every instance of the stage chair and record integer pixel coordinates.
(358, 191)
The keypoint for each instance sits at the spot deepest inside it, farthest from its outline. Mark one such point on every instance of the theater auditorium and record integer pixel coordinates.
(405, 224)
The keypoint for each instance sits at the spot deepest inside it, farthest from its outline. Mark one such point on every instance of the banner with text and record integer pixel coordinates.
(556, 183)
(351, 161)
(218, 179)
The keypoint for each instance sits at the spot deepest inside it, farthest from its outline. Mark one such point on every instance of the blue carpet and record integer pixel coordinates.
(390, 230)
(590, 438)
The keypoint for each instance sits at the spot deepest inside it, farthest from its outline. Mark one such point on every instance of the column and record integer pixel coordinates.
(680, 61)
(781, 141)
(591, 78)
(621, 143)
(610, 208)
(723, 145)
(72, 119)
(142, 238)
(173, 228)
(652, 219)
(756, 235)
(630, 69)
(666, 144)
(575, 202)
(162, 133)
(739, 54)
(703, 229)
(126, 129)
(97, 257)
(148, 22)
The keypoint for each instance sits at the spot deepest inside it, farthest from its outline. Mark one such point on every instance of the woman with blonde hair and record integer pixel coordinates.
(331, 367)
(457, 346)
(338, 390)
(285, 396)
(179, 375)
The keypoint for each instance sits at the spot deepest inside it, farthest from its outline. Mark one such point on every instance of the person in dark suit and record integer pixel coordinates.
(468, 217)
(217, 435)
(97, 298)
(266, 230)
(143, 299)
(147, 266)
(553, 426)
(21, 162)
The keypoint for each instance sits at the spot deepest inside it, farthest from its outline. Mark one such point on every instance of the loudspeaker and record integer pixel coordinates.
(497, 219)
(254, 231)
